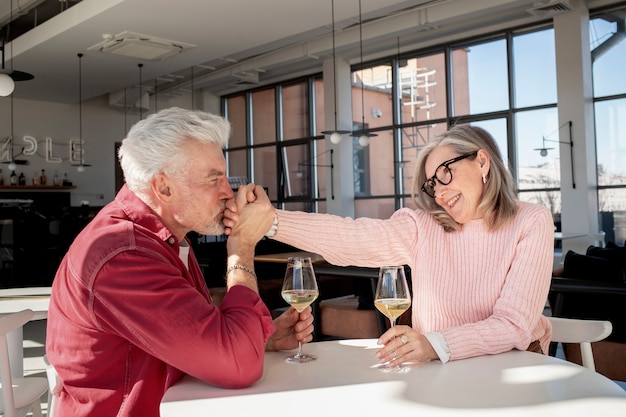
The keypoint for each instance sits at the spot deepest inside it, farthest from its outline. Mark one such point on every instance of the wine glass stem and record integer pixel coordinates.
(299, 348)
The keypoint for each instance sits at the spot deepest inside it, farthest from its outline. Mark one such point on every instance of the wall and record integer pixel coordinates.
(102, 126)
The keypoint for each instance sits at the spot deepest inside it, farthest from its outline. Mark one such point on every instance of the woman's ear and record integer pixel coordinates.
(483, 160)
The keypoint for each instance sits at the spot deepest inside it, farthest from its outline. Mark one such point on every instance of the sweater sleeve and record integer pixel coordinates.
(346, 241)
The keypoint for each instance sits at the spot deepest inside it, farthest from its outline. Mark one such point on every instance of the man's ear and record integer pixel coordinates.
(160, 187)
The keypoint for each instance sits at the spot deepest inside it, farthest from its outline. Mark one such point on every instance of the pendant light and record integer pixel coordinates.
(9, 76)
(81, 167)
(335, 135)
(364, 138)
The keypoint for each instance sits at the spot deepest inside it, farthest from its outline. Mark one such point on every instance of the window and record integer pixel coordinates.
(608, 60)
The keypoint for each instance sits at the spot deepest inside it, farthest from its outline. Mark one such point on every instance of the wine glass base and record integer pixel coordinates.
(300, 358)
(397, 369)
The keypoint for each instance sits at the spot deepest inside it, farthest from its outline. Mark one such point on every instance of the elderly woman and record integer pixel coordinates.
(480, 259)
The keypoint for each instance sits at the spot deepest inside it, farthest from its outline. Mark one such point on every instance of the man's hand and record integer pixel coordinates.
(249, 215)
(248, 195)
(291, 327)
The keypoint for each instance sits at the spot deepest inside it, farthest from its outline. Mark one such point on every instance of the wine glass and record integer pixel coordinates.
(299, 290)
(392, 298)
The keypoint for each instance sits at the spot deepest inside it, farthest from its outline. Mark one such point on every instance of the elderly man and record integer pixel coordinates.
(130, 312)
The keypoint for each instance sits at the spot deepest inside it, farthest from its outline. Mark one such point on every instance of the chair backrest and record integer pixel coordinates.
(54, 386)
(583, 332)
(9, 323)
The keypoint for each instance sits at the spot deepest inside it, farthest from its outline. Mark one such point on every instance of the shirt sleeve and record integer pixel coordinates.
(150, 302)
(439, 344)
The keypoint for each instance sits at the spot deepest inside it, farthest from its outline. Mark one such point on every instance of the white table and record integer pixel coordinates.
(344, 381)
(13, 300)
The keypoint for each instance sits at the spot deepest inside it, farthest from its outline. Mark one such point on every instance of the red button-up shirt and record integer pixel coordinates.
(127, 319)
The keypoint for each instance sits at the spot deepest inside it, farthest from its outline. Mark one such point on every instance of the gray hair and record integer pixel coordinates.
(153, 145)
(499, 197)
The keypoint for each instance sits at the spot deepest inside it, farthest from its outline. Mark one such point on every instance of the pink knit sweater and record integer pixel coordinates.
(484, 291)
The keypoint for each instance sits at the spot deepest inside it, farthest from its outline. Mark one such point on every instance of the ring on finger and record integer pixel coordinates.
(395, 355)
(404, 339)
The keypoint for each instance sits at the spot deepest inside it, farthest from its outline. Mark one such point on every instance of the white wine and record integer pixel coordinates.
(392, 307)
(299, 299)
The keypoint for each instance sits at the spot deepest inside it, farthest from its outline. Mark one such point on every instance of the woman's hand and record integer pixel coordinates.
(291, 327)
(404, 344)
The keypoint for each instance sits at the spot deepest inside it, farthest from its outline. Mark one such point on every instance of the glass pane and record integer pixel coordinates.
(265, 169)
(371, 96)
(423, 88)
(295, 111)
(497, 129)
(237, 164)
(613, 214)
(296, 206)
(534, 68)
(534, 170)
(412, 139)
(611, 141)
(319, 107)
(374, 208)
(374, 166)
(550, 199)
(298, 166)
(608, 62)
(480, 78)
(236, 111)
(263, 116)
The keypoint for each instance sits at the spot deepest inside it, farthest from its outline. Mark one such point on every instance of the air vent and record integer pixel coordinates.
(550, 8)
(136, 45)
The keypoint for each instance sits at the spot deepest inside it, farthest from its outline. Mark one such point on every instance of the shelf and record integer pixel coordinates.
(37, 187)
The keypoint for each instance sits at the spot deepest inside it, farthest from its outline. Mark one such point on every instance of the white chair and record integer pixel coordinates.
(25, 395)
(54, 386)
(583, 332)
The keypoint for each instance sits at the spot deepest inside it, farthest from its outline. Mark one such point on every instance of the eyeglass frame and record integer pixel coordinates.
(445, 164)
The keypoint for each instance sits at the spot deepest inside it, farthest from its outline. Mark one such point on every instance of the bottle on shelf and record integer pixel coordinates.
(1, 178)
(21, 180)
(66, 182)
(13, 178)
(35, 178)
(56, 180)
(42, 179)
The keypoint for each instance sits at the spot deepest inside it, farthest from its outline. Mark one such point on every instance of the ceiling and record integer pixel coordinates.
(236, 44)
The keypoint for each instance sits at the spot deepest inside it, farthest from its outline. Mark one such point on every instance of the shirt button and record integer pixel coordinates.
(171, 241)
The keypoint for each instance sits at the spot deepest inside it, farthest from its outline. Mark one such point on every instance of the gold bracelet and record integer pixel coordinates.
(242, 267)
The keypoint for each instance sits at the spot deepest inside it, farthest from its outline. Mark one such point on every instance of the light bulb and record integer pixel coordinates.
(364, 140)
(7, 85)
(335, 138)
(12, 166)
(80, 168)
(543, 152)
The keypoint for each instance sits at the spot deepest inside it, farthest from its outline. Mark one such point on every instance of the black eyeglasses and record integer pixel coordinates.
(443, 175)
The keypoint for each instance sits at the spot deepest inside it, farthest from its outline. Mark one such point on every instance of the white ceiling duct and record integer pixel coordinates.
(136, 45)
(130, 100)
(247, 78)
